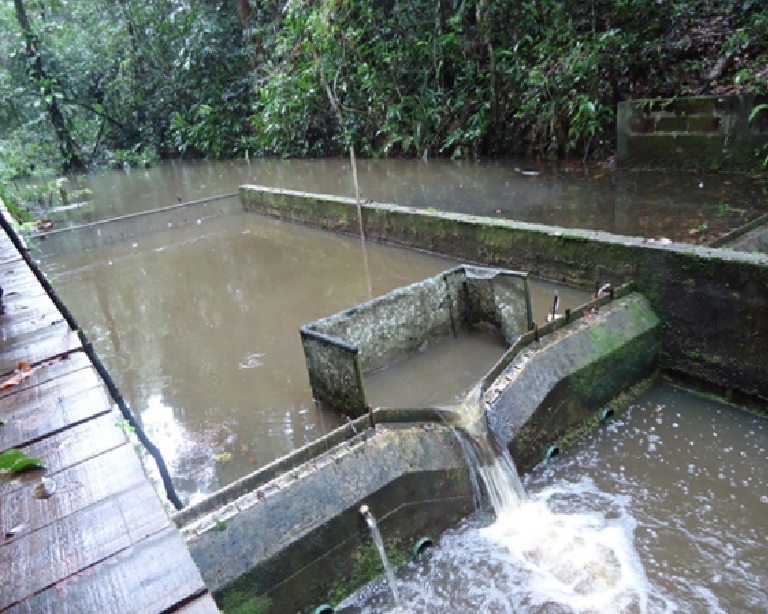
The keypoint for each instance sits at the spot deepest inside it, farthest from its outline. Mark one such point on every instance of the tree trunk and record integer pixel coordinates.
(44, 83)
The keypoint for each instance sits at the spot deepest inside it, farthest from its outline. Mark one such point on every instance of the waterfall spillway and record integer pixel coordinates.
(490, 464)
(371, 522)
(494, 470)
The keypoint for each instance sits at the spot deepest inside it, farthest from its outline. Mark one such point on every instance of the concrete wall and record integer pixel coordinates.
(299, 537)
(713, 303)
(291, 533)
(708, 132)
(342, 348)
(568, 374)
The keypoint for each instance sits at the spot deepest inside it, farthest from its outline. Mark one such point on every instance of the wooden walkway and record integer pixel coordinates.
(102, 542)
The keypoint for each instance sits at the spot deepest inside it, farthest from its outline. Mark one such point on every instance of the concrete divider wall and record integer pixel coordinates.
(295, 538)
(713, 303)
(300, 537)
(569, 373)
(342, 348)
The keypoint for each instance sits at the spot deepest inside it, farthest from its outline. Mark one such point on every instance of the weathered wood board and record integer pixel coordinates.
(102, 541)
(37, 412)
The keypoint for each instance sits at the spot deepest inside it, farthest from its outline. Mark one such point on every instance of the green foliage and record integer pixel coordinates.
(16, 461)
(126, 427)
(760, 108)
(458, 79)
(138, 157)
(129, 82)
(118, 75)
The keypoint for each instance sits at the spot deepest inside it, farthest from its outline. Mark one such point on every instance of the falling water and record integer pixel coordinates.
(495, 471)
(371, 522)
(537, 555)
(490, 464)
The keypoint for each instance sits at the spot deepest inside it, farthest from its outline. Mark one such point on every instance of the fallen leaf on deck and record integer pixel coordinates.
(23, 371)
(222, 456)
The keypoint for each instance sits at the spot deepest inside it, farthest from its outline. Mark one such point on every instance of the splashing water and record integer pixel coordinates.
(530, 559)
(535, 557)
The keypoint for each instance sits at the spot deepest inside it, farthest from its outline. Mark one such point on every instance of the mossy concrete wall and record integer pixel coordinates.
(552, 386)
(299, 538)
(707, 132)
(291, 536)
(342, 348)
(713, 303)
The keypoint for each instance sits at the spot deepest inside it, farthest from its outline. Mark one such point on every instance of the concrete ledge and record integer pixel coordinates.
(551, 387)
(293, 522)
(713, 303)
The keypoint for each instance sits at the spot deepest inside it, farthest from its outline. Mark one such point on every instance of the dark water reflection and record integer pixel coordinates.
(679, 206)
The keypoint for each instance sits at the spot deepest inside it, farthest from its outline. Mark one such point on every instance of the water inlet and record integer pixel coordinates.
(606, 414)
(389, 572)
(323, 609)
(552, 453)
(422, 545)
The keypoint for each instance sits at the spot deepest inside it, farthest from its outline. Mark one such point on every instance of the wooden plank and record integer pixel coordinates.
(37, 346)
(50, 370)
(77, 487)
(69, 447)
(28, 321)
(8, 251)
(57, 551)
(35, 412)
(152, 577)
(27, 306)
(15, 273)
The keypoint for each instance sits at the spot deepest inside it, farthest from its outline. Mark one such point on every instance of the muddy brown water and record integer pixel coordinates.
(199, 326)
(695, 208)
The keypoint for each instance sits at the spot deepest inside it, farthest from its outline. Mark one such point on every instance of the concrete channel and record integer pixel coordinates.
(289, 536)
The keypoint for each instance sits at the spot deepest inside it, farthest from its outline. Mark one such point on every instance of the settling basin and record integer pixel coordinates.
(663, 509)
